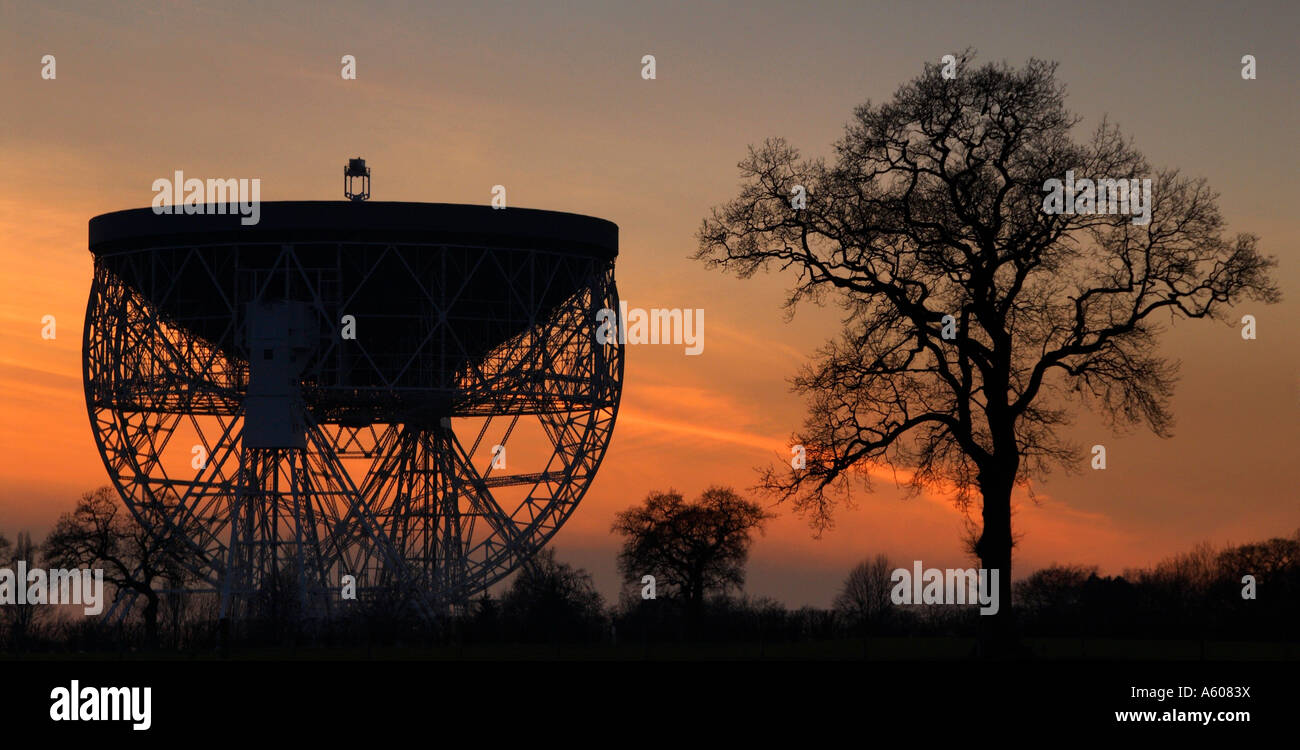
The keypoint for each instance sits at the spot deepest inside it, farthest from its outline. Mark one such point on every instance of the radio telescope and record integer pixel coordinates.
(411, 394)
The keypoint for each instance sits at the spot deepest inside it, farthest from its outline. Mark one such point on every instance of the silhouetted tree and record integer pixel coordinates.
(1175, 588)
(1274, 557)
(864, 596)
(690, 548)
(178, 603)
(1107, 603)
(21, 619)
(101, 533)
(553, 599)
(973, 317)
(1193, 571)
(485, 618)
(1275, 565)
(1053, 593)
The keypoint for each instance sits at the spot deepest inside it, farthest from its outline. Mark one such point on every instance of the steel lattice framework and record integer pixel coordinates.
(237, 413)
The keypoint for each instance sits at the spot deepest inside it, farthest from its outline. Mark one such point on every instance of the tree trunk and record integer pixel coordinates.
(695, 608)
(176, 620)
(151, 617)
(998, 637)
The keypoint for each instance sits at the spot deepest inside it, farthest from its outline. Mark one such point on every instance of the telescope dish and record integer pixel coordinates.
(408, 393)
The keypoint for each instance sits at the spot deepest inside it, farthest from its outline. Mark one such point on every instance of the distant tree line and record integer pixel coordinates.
(696, 552)
(1249, 592)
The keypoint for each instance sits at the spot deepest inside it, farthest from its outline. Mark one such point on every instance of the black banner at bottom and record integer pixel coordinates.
(384, 700)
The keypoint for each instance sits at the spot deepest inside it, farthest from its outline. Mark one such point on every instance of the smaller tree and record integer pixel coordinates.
(1052, 597)
(1054, 589)
(690, 548)
(20, 619)
(100, 533)
(1273, 564)
(1275, 557)
(865, 595)
(553, 599)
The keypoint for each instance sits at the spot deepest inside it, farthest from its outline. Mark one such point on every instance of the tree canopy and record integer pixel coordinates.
(976, 319)
(691, 548)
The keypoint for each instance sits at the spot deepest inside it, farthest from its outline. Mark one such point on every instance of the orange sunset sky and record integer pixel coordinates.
(547, 99)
